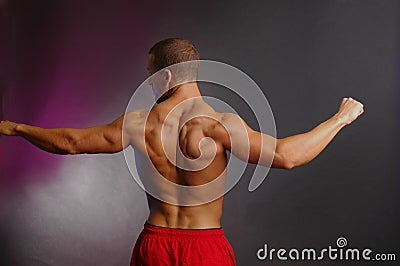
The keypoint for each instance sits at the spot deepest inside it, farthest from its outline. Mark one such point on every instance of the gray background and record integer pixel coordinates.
(76, 63)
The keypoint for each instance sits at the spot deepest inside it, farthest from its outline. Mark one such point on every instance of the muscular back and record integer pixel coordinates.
(180, 144)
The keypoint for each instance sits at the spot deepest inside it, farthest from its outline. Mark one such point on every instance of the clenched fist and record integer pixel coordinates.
(8, 128)
(349, 110)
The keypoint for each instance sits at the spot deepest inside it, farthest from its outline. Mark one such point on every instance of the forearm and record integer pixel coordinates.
(302, 148)
(57, 140)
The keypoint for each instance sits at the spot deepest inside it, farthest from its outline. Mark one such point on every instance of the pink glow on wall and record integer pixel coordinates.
(69, 69)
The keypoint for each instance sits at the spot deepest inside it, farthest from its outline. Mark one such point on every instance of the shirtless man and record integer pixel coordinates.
(192, 234)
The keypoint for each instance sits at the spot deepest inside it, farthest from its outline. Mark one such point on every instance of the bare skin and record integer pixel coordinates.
(143, 128)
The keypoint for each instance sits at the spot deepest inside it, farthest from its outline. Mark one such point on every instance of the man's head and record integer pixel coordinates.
(172, 51)
(169, 52)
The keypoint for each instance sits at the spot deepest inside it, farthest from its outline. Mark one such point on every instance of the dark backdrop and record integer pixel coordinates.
(76, 63)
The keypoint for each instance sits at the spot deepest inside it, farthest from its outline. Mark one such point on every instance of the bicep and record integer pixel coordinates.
(265, 150)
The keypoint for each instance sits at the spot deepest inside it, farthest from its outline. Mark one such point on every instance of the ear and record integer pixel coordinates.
(168, 77)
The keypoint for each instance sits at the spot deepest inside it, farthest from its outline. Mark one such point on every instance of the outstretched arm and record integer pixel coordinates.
(295, 150)
(99, 139)
(302, 148)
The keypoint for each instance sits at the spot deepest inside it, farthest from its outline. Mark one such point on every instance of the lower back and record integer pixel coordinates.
(187, 217)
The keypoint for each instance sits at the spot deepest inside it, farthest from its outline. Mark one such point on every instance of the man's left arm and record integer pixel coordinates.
(98, 139)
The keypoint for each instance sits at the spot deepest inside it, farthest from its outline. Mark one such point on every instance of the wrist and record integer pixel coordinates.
(339, 120)
(18, 129)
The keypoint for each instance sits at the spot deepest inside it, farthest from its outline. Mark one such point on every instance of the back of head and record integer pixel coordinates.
(178, 52)
(172, 51)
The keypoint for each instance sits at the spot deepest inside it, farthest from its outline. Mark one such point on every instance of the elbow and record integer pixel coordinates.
(288, 165)
(67, 150)
(285, 158)
(287, 162)
(283, 161)
(70, 146)
(70, 151)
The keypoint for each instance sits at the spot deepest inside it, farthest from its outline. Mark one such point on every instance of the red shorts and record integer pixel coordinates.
(179, 247)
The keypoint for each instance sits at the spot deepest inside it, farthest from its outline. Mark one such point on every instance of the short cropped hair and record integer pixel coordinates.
(172, 51)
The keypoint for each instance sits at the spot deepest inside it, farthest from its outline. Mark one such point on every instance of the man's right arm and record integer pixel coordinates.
(291, 151)
(97, 139)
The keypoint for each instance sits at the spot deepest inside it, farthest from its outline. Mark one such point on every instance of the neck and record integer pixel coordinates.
(181, 93)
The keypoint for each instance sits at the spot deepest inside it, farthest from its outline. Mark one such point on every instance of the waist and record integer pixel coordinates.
(190, 217)
(167, 231)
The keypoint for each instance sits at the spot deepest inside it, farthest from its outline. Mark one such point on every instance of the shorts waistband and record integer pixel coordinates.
(154, 229)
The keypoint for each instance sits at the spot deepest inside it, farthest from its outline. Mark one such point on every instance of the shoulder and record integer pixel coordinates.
(134, 125)
(222, 126)
(136, 116)
(233, 121)
(231, 125)
(134, 119)
(230, 118)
